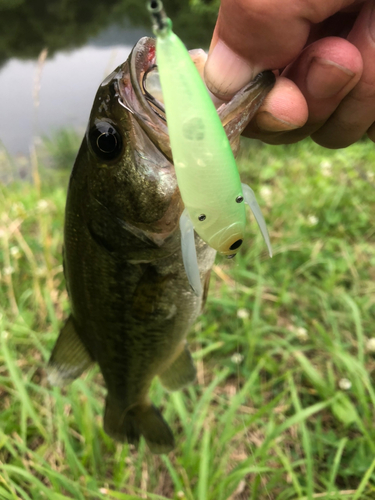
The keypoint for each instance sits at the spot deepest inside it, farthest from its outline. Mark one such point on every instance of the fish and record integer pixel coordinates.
(131, 302)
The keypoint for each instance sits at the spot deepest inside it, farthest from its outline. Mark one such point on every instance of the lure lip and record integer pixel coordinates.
(227, 237)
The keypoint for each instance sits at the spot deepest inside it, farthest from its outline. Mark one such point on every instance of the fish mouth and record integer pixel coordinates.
(151, 86)
(152, 91)
(143, 79)
(135, 94)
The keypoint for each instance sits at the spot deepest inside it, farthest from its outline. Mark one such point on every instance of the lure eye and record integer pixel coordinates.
(236, 245)
(105, 141)
(239, 199)
(202, 217)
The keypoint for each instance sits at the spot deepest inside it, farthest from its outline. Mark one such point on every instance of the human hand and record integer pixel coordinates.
(325, 53)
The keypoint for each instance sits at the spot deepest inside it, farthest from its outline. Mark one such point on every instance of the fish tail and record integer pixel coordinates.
(139, 420)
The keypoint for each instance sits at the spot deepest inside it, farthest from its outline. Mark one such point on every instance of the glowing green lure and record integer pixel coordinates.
(205, 167)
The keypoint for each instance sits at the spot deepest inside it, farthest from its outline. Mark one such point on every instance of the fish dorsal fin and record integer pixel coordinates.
(249, 197)
(189, 253)
(69, 358)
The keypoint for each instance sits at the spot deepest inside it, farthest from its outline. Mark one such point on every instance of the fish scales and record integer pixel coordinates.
(131, 302)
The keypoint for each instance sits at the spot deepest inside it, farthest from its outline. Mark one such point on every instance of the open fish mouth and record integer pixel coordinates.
(151, 88)
(138, 90)
(144, 74)
(144, 81)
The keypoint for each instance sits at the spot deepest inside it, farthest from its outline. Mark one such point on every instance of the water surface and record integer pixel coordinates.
(67, 84)
(86, 40)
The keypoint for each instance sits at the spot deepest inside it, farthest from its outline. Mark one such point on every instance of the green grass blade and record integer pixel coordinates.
(365, 482)
(204, 466)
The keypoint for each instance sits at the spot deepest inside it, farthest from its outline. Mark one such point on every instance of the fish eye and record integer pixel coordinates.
(105, 141)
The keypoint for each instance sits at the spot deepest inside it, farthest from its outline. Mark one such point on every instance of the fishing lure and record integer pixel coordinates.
(205, 167)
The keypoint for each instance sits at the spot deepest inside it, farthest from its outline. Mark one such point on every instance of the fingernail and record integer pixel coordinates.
(326, 78)
(225, 72)
(266, 121)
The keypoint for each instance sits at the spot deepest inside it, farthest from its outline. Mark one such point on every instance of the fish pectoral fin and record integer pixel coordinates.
(141, 419)
(249, 197)
(69, 358)
(189, 253)
(180, 373)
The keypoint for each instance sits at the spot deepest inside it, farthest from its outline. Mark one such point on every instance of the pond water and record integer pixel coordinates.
(86, 40)
(67, 85)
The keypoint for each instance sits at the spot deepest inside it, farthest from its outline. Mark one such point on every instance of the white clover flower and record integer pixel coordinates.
(345, 384)
(8, 270)
(242, 313)
(266, 193)
(326, 167)
(312, 220)
(237, 358)
(370, 344)
(301, 333)
(15, 252)
(42, 204)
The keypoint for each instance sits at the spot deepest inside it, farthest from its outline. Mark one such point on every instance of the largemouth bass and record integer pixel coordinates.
(132, 305)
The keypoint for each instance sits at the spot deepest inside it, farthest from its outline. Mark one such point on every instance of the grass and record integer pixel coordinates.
(284, 403)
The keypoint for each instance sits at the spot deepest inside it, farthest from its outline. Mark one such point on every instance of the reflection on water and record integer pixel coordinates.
(68, 84)
(29, 26)
(67, 89)
(69, 80)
